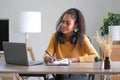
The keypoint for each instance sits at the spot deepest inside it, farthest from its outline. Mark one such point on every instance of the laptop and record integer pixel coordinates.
(16, 53)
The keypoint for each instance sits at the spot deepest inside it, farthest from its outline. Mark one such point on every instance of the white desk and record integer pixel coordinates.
(74, 68)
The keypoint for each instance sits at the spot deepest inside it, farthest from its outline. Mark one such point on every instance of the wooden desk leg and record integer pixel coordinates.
(102, 77)
(105, 77)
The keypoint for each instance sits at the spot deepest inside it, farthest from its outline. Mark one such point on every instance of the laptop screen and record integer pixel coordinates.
(15, 53)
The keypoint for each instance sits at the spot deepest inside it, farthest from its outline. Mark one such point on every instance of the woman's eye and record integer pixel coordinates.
(68, 23)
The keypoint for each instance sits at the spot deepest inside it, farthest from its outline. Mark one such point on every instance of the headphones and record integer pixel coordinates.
(73, 39)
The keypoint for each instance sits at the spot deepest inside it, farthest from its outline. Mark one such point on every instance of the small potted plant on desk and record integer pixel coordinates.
(98, 64)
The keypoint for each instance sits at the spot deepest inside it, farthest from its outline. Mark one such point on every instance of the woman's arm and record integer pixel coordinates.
(50, 50)
(90, 52)
(74, 59)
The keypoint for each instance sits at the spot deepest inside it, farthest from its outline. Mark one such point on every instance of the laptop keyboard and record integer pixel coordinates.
(35, 62)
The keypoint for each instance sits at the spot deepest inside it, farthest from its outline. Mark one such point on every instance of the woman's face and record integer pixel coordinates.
(68, 24)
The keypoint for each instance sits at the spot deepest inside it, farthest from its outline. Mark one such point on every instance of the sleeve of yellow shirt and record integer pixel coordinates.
(90, 50)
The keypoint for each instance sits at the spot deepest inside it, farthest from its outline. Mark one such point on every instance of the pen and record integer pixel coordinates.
(48, 53)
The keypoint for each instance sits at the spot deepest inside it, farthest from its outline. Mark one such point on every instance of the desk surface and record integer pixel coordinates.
(74, 68)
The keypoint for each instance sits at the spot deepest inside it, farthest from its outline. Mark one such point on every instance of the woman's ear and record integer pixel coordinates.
(76, 28)
(76, 25)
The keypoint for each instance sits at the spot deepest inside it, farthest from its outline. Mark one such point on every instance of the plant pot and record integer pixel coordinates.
(114, 32)
(98, 65)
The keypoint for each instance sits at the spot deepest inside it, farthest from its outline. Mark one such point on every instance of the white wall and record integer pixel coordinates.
(93, 10)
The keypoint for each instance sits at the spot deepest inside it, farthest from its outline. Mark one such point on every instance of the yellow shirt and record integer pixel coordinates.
(87, 53)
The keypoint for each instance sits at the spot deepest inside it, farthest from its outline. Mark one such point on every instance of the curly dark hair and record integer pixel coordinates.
(79, 19)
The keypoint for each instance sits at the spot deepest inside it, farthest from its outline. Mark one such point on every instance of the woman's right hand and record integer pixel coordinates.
(49, 58)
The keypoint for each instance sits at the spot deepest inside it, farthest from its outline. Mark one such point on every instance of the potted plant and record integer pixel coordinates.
(112, 20)
(98, 64)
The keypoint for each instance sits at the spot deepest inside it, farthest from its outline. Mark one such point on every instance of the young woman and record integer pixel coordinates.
(69, 40)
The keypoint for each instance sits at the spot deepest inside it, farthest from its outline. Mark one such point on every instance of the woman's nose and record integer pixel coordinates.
(63, 25)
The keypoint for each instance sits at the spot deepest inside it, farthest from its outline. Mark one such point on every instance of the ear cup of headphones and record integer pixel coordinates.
(73, 39)
(61, 39)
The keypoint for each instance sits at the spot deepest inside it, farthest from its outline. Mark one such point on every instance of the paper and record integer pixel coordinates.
(63, 62)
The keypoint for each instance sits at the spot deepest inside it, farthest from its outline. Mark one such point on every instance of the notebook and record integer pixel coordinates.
(63, 62)
(16, 53)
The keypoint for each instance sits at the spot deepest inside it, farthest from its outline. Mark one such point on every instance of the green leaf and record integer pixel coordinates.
(101, 59)
(96, 59)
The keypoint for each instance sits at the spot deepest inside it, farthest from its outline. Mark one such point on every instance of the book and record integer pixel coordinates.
(63, 62)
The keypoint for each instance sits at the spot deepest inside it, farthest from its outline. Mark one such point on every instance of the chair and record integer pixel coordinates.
(76, 77)
(91, 76)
